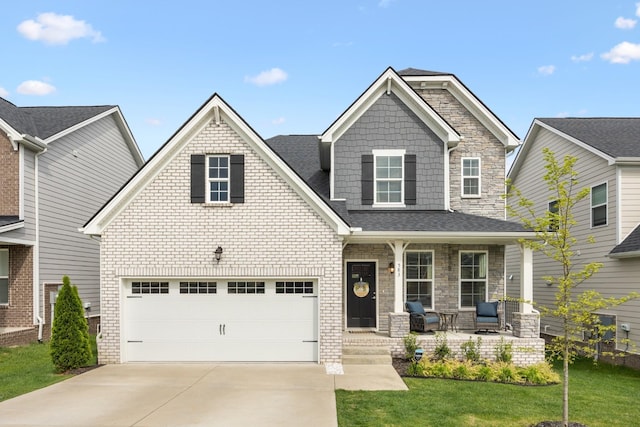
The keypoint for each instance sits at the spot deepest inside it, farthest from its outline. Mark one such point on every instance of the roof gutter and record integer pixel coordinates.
(442, 236)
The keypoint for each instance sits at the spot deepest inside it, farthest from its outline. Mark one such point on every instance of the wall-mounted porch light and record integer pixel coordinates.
(218, 253)
(391, 268)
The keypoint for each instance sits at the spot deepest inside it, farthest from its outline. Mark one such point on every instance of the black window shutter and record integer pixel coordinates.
(410, 179)
(367, 179)
(197, 178)
(237, 178)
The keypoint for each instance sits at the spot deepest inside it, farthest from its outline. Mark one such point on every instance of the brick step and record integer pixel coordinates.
(365, 350)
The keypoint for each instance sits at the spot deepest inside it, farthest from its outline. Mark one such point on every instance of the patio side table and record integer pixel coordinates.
(449, 319)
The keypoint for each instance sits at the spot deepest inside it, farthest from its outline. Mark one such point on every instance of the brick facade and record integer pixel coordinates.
(274, 233)
(9, 178)
(18, 313)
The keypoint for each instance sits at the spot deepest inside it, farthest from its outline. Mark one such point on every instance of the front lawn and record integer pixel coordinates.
(27, 368)
(600, 395)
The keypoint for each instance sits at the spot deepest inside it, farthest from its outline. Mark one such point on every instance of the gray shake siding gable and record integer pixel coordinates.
(390, 124)
(274, 233)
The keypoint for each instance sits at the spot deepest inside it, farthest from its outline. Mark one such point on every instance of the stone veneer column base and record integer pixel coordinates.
(526, 325)
(398, 325)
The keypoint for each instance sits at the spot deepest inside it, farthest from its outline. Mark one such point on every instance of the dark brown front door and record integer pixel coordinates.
(361, 294)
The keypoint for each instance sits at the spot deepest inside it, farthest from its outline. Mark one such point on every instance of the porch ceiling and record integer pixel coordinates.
(487, 238)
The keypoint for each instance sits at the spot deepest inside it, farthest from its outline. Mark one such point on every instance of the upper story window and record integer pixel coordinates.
(599, 205)
(473, 278)
(4, 276)
(389, 176)
(553, 221)
(471, 177)
(217, 179)
(419, 277)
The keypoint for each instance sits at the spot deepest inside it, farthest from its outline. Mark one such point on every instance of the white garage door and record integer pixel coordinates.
(189, 321)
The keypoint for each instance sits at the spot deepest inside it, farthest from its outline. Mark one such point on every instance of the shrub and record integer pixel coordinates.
(442, 350)
(410, 345)
(485, 373)
(464, 370)
(471, 350)
(540, 373)
(70, 345)
(503, 351)
(507, 373)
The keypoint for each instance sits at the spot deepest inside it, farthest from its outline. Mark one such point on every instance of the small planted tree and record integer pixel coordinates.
(70, 345)
(576, 309)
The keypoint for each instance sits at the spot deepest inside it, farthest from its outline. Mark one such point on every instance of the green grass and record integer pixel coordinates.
(27, 368)
(602, 395)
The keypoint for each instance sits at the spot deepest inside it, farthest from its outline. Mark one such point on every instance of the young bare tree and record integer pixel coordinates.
(576, 309)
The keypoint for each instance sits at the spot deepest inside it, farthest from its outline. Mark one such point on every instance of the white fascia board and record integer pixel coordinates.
(625, 161)
(122, 124)
(13, 135)
(9, 227)
(441, 237)
(173, 147)
(390, 80)
(470, 102)
(630, 254)
(13, 241)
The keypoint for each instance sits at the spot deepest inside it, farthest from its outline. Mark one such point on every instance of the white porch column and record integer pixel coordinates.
(398, 248)
(526, 278)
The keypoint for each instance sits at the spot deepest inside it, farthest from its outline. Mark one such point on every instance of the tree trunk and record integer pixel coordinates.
(565, 383)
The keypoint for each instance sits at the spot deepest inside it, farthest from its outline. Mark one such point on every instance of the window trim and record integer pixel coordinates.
(553, 226)
(463, 177)
(605, 204)
(433, 274)
(486, 279)
(388, 153)
(210, 180)
(7, 276)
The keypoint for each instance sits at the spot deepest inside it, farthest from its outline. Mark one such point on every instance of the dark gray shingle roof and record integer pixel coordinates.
(418, 72)
(8, 220)
(630, 244)
(614, 136)
(43, 122)
(301, 153)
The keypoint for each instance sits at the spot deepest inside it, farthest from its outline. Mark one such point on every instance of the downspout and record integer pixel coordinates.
(36, 249)
(447, 178)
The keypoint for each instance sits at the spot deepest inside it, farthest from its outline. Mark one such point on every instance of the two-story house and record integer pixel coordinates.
(58, 165)
(608, 163)
(227, 247)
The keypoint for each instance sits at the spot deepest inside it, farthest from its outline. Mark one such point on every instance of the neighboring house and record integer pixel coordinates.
(608, 153)
(227, 247)
(58, 165)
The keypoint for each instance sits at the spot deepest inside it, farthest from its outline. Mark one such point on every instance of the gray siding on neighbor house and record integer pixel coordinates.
(390, 124)
(617, 277)
(28, 232)
(78, 174)
(629, 199)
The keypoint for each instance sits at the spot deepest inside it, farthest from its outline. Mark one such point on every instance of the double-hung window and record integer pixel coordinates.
(473, 278)
(471, 177)
(419, 277)
(217, 179)
(553, 215)
(389, 177)
(599, 205)
(4, 276)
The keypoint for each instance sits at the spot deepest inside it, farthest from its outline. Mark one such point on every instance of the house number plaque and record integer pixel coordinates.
(361, 289)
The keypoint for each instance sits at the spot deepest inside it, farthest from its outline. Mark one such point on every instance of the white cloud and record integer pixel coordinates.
(3, 92)
(35, 87)
(623, 53)
(52, 28)
(582, 58)
(278, 121)
(547, 70)
(153, 122)
(385, 3)
(342, 44)
(637, 9)
(625, 23)
(266, 78)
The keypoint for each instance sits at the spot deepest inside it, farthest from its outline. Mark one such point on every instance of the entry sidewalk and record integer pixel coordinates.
(196, 395)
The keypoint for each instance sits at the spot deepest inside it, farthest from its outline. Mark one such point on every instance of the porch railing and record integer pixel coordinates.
(509, 307)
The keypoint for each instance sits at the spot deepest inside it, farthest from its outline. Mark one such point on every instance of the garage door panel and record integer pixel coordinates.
(221, 326)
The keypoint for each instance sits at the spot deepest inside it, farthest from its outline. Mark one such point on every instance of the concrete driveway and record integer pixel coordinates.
(195, 395)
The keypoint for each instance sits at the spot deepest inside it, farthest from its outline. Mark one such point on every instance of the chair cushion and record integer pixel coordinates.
(487, 319)
(414, 307)
(430, 318)
(487, 309)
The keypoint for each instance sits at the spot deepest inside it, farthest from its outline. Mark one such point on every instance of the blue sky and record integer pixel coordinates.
(292, 67)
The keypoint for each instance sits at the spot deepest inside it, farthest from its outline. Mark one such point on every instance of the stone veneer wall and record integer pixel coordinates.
(478, 142)
(9, 178)
(275, 233)
(446, 261)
